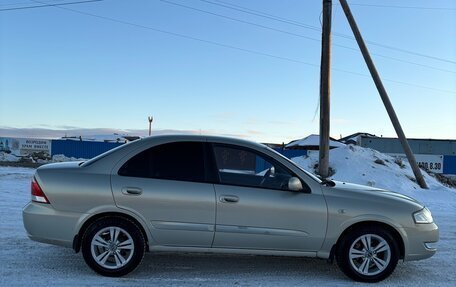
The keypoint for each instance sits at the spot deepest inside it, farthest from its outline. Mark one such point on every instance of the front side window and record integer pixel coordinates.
(174, 161)
(238, 166)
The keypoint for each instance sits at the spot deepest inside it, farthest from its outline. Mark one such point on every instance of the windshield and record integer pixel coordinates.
(313, 176)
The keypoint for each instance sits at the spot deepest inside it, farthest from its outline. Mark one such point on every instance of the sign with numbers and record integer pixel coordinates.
(431, 162)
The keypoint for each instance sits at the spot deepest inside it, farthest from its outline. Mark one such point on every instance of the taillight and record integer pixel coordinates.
(37, 193)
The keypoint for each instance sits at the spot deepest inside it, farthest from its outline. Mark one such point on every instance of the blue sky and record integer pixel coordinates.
(109, 67)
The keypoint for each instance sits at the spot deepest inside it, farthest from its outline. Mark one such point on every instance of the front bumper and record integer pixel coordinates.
(421, 241)
(45, 224)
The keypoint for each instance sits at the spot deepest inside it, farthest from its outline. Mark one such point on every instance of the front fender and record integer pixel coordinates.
(337, 227)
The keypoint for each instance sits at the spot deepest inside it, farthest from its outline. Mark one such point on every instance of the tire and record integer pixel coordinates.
(113, 246)
(372, 264)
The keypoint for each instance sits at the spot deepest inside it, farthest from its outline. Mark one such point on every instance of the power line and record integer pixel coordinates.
(397, 49)
(301, 36)
(226, 45)
(316, 28)
(48, 5)
(262, 14)
(403, 7)
(239, 20)
(16, 3)
(185, 36)
(237, 48)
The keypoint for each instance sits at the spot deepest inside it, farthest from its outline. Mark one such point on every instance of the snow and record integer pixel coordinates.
(5, 157)
(62, 158)
(356, 164)
(8, 157)
(313, 140)
(25, 262)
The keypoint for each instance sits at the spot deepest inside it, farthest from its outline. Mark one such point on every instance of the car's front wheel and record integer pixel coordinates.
(367, 254)
(113, 246)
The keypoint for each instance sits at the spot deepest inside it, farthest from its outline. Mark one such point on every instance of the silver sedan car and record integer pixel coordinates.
(216, 194)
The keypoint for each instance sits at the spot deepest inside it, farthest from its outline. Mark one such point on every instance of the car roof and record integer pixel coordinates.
(168, 138)
(202, 138)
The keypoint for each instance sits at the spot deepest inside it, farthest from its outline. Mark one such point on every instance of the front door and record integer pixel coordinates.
(255, 209)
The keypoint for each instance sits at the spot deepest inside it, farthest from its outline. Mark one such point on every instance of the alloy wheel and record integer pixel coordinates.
(369, 254)
(112, 247)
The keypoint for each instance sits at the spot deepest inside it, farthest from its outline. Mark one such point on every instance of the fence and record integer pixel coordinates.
(80, 149)
(88, 149)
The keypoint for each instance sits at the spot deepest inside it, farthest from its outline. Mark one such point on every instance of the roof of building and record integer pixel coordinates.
(313, 140)
(355, 136)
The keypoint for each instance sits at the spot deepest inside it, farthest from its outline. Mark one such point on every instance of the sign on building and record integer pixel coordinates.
(431, 162)
(24, 146)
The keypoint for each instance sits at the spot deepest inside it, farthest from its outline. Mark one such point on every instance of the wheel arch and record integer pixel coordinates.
(396, 235)
(77, 240)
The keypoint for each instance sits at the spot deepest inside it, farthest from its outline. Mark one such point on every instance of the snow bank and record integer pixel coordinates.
(313, 140)
(62, 158)
(5, 157)
(366, 166)
(8, 157)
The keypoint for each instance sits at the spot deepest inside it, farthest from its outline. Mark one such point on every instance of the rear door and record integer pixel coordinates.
(255, 209)
(167, 185)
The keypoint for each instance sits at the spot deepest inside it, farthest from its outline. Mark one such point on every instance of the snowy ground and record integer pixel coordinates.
(7, 157)
(25, 262)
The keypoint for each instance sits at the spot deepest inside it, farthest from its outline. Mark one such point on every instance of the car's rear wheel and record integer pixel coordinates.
(113, 246)
(367, 254)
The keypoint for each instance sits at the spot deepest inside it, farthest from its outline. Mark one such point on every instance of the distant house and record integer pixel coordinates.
(356, 138)
(312, 142)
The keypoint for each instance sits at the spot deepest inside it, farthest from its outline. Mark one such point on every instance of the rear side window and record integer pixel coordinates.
(174, 161)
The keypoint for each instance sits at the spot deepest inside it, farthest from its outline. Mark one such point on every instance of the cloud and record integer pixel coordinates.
(223, 116)
(64, 127)
(74, 131)
(251, 121)
(282, 123)
(56, 133)
(253, 132)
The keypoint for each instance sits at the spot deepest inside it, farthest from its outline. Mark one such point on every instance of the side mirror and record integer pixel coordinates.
(294, 184)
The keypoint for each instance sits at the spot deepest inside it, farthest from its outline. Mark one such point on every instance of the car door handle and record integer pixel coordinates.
(131, 190)
(229, 198)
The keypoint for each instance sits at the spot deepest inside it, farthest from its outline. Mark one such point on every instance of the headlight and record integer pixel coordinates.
(423, 216)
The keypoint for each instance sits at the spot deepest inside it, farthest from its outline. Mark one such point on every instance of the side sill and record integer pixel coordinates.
(232, 251)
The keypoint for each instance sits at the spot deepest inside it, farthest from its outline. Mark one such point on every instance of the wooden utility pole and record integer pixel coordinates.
(323, 163)
(383, 94)
(150, 124)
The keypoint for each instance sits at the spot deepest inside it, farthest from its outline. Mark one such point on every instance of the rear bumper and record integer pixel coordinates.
(44, 224)
(421, 241)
